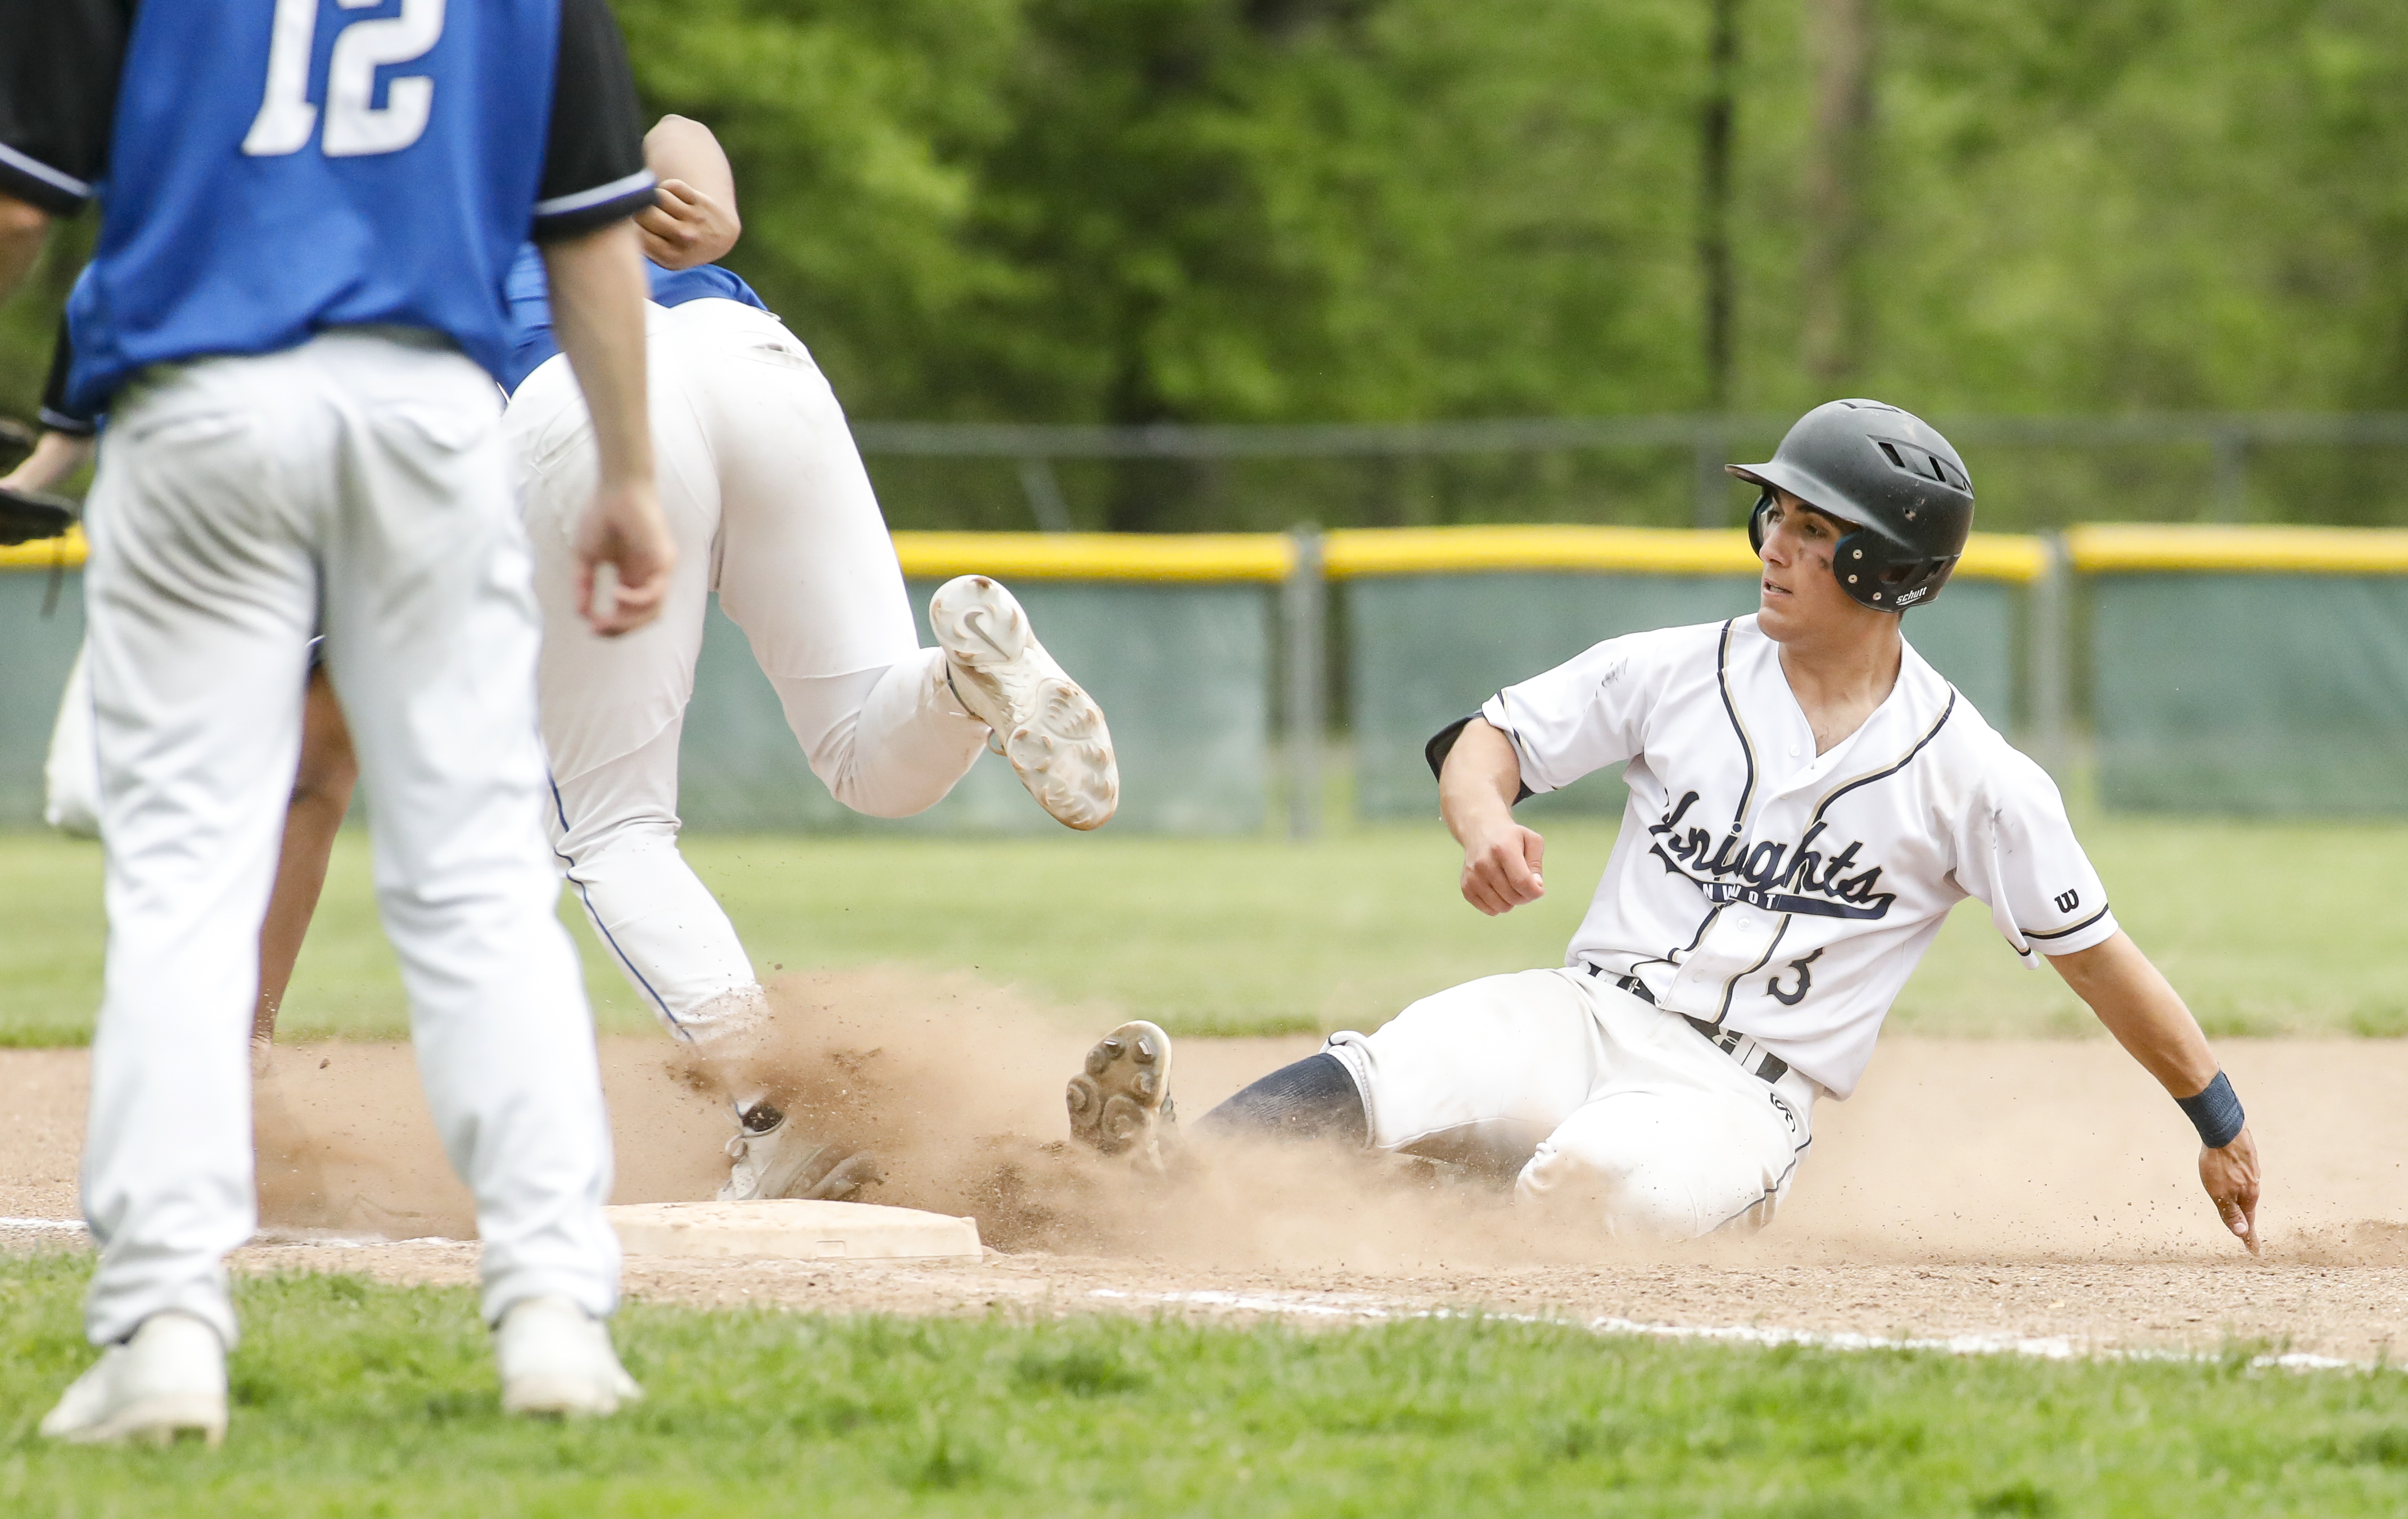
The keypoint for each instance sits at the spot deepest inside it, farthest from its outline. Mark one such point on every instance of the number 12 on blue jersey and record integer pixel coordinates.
(355, 125)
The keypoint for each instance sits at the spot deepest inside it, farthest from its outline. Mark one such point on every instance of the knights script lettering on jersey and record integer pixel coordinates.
(1770, 876)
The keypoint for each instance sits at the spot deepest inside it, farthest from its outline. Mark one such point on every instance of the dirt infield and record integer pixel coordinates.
(2004, 1189)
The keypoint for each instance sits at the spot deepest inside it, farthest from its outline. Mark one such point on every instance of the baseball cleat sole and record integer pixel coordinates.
(1120, 1103)
(1049, 728)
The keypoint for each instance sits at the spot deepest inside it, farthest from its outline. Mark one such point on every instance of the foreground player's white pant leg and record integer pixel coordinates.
(431, 641)
(199, 594)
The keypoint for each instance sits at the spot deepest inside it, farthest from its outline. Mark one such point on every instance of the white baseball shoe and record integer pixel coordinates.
(556, 1359)
(168, 1380)
(1052, 731)
(778, 1162)
(1121, 1103)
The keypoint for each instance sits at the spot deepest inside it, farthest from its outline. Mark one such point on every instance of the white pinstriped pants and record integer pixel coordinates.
(1626, 1115)
(771, 509)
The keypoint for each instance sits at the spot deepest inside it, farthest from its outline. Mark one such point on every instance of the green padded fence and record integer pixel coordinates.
(2232, 670)
(2252, 693)
(2248, 670)
(41, 649)
(1182, 672)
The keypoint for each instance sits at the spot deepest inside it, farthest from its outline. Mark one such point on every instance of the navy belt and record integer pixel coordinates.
(1769, 1067)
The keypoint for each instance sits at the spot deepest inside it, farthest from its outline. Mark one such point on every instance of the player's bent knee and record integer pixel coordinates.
(1649, 1176)
(1630, 1201)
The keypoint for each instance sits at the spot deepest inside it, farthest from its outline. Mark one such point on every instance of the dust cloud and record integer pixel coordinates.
(1953, 1151)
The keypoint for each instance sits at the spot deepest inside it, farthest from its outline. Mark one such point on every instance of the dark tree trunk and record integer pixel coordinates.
(1840, 33)
(1715, 154)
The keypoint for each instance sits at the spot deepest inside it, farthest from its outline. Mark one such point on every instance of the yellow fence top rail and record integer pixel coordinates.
(67, 552)
(1097, 556)
(1353, 552)
(2123, 548)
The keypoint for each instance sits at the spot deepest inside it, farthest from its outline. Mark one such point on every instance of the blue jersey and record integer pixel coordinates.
(275, 169)
(529, 294)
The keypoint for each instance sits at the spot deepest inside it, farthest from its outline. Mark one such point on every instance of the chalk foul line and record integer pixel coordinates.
(2039, 1347)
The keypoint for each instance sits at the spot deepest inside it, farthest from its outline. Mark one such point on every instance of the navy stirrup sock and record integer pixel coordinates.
(1315, 1098)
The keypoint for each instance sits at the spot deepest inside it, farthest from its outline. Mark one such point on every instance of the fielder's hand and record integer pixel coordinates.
(1502, 868)
(2230, 1177)
(685, 227)
(624, 530)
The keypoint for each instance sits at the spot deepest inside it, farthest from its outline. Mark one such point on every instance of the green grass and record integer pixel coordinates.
(2267, 928)
(353, 1399)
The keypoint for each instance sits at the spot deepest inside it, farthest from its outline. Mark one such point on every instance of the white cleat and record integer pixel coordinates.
(1121, 1103)
(556, 1360)
(167, 1380)
(778, 1162)
(1052, 731)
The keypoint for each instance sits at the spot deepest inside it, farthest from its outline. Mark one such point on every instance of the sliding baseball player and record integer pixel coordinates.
(1808, 800)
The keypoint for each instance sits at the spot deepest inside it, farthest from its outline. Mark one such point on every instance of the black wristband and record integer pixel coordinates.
(2215, 1113)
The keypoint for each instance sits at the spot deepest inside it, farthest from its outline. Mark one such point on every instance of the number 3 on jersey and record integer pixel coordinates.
(354, 125)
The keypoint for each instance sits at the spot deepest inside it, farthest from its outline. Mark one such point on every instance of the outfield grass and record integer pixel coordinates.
(2267, 928)
(353, 1399)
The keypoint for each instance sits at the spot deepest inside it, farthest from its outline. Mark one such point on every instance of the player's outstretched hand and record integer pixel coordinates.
(1501, 868)
(624, 530)
(2230, 1177)
(685, 227)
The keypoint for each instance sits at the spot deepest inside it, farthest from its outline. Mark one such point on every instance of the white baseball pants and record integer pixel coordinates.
(357, 484)
(1628, 1116)
(772, 509)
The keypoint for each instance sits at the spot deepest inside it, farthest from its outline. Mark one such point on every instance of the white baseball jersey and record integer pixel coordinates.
(1781, 892)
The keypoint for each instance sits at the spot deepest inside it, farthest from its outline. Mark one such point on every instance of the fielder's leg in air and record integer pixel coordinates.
(772, 510)
(1808, 800)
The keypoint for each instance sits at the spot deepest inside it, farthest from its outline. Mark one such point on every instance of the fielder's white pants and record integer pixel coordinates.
(357, 484)
(770, 507)
(1630, 1117)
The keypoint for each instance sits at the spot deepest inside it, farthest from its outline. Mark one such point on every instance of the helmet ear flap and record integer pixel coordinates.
(1755, 520)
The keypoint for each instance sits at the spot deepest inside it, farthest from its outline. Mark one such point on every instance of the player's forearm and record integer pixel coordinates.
(680, 148)
(1477, 786)
(23, 228)
(597, 314)
(2143, 1010)
(56, 455)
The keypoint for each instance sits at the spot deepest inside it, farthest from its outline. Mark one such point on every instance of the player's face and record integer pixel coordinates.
(1799, 594)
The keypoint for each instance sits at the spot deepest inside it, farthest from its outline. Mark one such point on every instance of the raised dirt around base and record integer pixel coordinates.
(792, 1229)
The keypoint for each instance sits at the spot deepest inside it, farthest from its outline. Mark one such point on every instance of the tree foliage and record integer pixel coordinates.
(1232, 210)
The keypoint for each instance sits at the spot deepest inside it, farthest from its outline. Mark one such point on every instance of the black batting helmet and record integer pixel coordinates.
(1890, 473)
